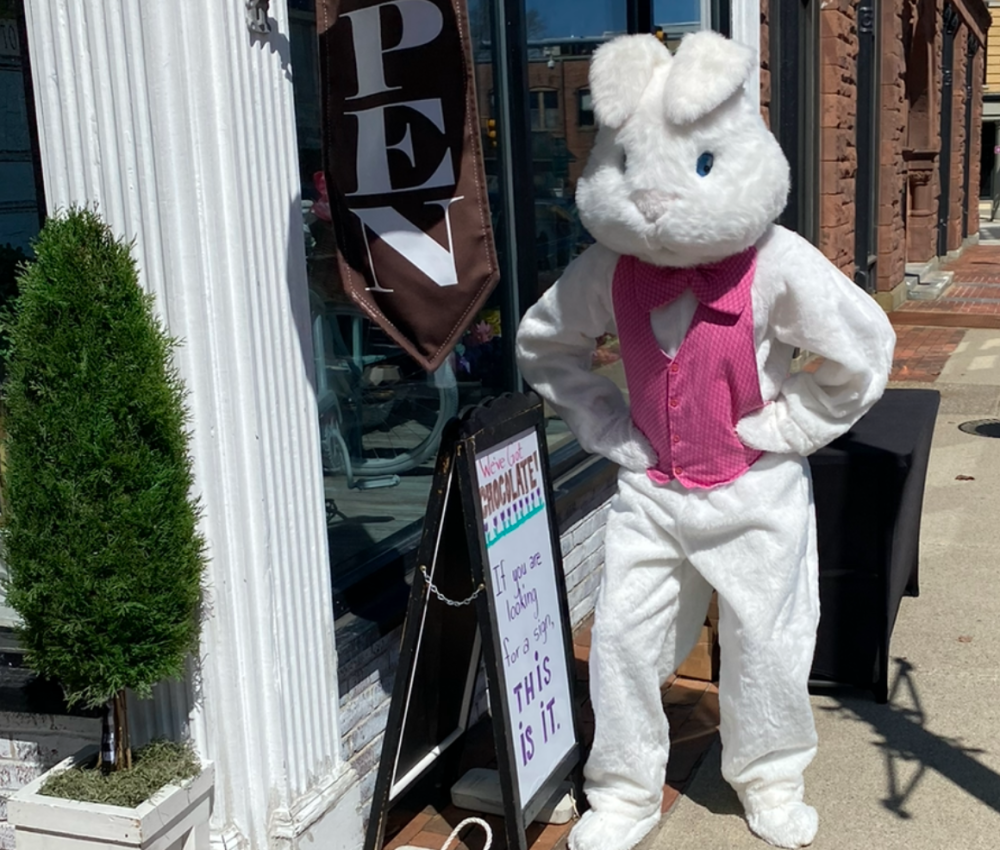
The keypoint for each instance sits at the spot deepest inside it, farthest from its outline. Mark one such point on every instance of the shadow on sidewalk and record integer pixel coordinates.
(911, 749)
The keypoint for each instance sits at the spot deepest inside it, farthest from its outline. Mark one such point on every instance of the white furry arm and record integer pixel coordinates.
(555, 346)
(818, 309)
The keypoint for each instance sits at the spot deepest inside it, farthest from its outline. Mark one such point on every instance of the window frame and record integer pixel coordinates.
(581, 93)
(537, 106)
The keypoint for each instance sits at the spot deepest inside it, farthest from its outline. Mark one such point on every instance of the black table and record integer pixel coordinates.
(869, 490)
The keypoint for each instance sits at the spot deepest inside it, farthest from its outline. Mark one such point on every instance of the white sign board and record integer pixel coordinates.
(522, 582)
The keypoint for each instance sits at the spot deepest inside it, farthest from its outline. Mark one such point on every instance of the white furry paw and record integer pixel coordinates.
(610, 831)
(791, 825)
(761, 430)
(622, 443)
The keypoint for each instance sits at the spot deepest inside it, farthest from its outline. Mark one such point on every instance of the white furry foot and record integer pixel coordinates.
(610, 831)
(791, 825)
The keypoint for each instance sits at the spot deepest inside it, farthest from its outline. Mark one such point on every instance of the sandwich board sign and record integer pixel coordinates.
(489, 587)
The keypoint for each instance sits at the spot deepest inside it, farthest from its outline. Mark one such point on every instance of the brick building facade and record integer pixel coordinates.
(838, 137)
(910, 224)
(925, 111)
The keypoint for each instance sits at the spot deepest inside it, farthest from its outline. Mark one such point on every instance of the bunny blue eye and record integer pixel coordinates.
(705, 162)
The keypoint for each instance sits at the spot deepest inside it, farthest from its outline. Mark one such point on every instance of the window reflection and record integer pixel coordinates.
(669, 13)
(561, 20)
(585, 109)
(562, 36)
(20, 211)
(380, 415)
(673, 19)
(544, 106)
(22, 203)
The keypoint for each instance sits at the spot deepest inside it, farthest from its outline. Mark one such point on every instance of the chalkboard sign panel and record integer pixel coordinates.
(489, 586)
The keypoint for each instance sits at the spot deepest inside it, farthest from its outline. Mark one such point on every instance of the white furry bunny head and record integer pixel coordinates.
(683, 171)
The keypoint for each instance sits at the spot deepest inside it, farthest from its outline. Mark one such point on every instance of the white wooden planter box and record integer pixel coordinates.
(175, 818)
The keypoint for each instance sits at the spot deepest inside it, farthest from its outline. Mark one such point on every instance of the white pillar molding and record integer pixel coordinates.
(705, 14)
(178, 123)
(746, 30)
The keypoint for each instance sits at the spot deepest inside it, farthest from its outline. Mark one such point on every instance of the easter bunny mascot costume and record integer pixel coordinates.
(709, 298)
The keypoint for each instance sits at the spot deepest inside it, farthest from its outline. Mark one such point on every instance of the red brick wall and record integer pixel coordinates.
(838, 152)
(924, 128)
(975, 152)
(956, 199)
(892, 166)
(569, 76)
(765, 61)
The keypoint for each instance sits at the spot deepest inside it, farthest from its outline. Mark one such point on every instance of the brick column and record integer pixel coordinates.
(956, 199)
(923, 144)
(892, 164)
(975, 152)
(838, 150)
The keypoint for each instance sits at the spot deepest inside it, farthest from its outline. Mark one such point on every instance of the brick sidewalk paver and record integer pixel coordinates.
(971, 301)
(921, 352)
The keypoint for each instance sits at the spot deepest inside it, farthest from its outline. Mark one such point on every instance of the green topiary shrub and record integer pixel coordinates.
(99, 529)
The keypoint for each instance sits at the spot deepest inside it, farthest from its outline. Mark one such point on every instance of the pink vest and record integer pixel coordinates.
(688, 406)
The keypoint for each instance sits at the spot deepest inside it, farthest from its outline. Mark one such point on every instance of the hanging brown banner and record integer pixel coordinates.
(404, 167)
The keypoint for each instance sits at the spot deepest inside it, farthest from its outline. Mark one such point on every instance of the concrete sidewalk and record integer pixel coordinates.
(922, 772)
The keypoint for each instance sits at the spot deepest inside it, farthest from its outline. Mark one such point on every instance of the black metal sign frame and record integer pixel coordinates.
(432, 698)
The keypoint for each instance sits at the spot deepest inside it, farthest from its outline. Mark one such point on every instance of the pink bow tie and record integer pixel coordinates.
(715, 285)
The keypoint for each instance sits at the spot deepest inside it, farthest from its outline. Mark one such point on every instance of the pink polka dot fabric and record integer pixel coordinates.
(688, 406)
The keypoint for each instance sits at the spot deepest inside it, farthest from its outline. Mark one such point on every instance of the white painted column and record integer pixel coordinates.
(179, 124)
(705, 14)
(746, 30)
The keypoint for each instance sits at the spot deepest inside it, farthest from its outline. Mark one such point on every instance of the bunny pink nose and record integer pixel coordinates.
(653, 203)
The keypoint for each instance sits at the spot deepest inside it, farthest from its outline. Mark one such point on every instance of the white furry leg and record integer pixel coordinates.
(610, 831)
(649, 612)
(791, 825)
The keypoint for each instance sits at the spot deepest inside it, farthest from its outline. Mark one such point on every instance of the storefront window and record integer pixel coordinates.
(562, 36)
(673, 19)
(380, 415)
(22, 206)
(670, 13)
(20, 190)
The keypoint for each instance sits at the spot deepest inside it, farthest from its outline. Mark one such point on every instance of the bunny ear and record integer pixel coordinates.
(708, 69)
(620, 70)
